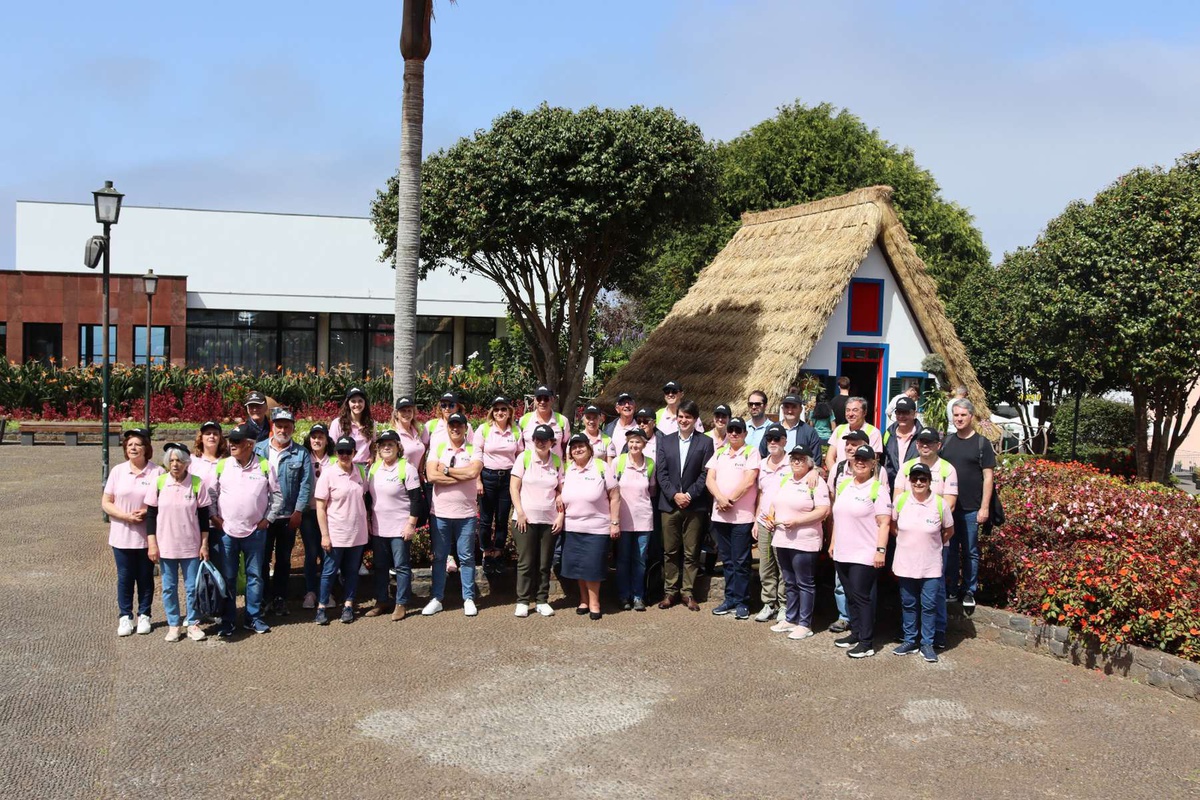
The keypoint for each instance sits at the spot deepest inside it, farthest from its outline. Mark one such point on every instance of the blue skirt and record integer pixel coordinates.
(585, 556)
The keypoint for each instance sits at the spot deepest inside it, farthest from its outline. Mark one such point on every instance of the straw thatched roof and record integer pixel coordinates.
(755, 313)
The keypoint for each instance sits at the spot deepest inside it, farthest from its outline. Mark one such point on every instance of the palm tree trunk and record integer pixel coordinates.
(408, 228)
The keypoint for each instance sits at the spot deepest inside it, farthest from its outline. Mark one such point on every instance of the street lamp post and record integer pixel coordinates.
(108, 211)
(150, 284)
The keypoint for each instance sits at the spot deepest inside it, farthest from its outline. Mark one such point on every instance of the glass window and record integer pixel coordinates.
(3, 340)
(247, 339)
(435, 342)
(42, 341)
(346, 340)
(381, 340)
(480, 332)
(160, 344)
(91, 340)
(299, 341)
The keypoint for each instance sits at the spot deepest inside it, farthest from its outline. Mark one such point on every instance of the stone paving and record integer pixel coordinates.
(665, 704)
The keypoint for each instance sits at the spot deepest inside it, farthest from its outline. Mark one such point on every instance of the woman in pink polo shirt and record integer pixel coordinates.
(316, 442)
(208, 448)
(414, 439)
(354, 420)
(923, 524)
(534, 488)
(394, 486)
(593, 419)
(798, 507)
(498, 443)
(634, 473)
(591, 518)
(733, 483)
(439, 433)
(770, 472)
(177, 506)
(343, 516)
(453, 467)
(862, 516)
(124, 501)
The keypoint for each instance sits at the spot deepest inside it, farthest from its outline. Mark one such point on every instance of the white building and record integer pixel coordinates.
(271, 290)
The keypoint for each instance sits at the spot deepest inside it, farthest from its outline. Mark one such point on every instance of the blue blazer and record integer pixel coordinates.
(673, 477)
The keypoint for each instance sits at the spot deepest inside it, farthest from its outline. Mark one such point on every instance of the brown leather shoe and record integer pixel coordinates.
(376, 611)
(690, 603)
(668, 601)
(398, 614)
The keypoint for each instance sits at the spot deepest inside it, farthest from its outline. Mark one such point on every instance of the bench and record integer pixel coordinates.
(70, 431)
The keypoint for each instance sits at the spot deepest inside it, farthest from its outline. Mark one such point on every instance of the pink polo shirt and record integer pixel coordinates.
(637, 487)
(531, 420)
(919, 537)
(617, 440)
(345, 507)
(875, 440)
(600, 445)
(243, 495)
(945, 487)
(730, 467)
(128, 491)
(178, 529)
(414, 445)
(585, 498)
(539, 486)
(501, 447)
(207, 470)
(791, 500)
(438, 433)
(855, 531)
(455, 500)
(650, 451)
(768, 482)
(390, 509)
(362, 443)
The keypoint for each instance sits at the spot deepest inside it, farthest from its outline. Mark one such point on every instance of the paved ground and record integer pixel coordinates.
(662, 704)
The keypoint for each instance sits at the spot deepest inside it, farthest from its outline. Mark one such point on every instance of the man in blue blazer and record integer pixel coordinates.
(684, 503)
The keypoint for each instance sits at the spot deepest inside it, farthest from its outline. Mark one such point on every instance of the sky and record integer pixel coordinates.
(1016, 108)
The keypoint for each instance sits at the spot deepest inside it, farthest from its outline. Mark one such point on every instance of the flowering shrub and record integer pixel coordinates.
(1085, 550)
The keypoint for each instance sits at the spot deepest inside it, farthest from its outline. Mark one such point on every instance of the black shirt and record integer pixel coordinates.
(838, 404)
(970, 457)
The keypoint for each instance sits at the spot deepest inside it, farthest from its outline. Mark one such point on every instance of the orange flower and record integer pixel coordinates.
(1125, 628)
(1155, 614)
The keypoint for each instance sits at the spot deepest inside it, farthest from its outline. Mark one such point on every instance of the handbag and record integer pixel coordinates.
(211, 592)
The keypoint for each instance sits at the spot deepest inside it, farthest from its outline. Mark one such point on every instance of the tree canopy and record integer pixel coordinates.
(807, 153)
(554, 205)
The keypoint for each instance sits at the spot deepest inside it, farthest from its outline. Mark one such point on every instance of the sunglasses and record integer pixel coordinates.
(542, 399)
(670, 392)
(919, 479)
(752, 405)
(447, 405)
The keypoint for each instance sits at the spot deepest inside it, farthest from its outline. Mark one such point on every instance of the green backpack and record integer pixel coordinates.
(263, 464)
(900, 501)
(620, 466)
(162, 481)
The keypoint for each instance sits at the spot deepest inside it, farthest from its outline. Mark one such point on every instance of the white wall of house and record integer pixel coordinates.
(242, 260)
(906, 346)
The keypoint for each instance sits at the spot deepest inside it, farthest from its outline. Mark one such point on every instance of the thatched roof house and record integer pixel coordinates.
(833, 287)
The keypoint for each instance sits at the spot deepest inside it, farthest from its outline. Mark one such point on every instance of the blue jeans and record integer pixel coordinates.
(347, 559)
(964, 554)
(918, 608)
(799, 569)
(251, 547)
(839, 597)
(940, 619)
(170, 568)
(392, 553)
(134, 567)
(631, 564)
(733, 545)
(314, 554)
(460, 532)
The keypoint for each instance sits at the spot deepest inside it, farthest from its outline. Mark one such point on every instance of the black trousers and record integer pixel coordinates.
(281, 540)
(859, 582)
(495, 507)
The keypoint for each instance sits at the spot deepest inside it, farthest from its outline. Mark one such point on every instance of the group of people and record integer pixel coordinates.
(648, 481)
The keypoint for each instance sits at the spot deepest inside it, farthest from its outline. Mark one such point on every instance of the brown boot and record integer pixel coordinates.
(398, 613)
(377, 611)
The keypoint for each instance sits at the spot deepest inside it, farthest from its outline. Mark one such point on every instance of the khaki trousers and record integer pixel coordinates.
(683, 532)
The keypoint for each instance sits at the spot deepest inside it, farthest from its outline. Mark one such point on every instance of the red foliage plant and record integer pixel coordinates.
(1105, 558)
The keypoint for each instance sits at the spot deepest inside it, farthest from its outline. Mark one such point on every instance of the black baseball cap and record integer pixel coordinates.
(919, 470)
(671, 386)
(775, 431)
(905, 403)
(723, 410)
(354, 390)
(543, 432)
(736, 425)
(169, 446)
(344, 444)
(388, 436)
(500, 400)
(256, 398)
(449, 397)
(319, 427)
(636, 432)
(543, 391)
(592, 409)
(928, 435)
(241, 433)
(799, 451)
(856, 436)
(864, 453)
(457, 418)
(212, 423)
(578, 438)
(404, 402)
(644, 413)
(791, 399)
(624, 397)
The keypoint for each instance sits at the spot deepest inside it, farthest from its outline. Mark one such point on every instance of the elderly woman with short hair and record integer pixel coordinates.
(797, 509)
(124, 501)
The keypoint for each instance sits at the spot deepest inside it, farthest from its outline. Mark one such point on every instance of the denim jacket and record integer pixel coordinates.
(295, 476)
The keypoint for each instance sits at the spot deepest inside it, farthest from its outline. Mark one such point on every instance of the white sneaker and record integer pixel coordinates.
(310, 600)
(800, 633)
(195, 634)
(143, 623)
(431, 608)
(782, 615)
(125, 626)
(522, 610)
(545, 610)
(173, 634)
(469, 608)
(783, 627)
(765, 614)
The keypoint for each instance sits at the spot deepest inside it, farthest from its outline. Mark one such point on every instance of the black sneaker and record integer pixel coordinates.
(839, 626)
(723, 609)
(741, 612)
(968, 603)
(347, 614)
(281, 607)
(905, 649)
(861, 650)
(322, 617)
(638, 604)
(939, 644)
(847, 641)
(928, 654)
(225, 633)
(627, 605)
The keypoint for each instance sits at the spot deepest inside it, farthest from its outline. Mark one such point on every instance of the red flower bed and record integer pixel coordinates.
(1106, 558)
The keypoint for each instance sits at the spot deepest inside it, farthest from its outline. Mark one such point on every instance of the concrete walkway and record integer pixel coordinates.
(662, 704)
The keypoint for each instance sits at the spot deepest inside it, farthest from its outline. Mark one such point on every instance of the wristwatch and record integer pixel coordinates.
(882, 550)
(446, 471)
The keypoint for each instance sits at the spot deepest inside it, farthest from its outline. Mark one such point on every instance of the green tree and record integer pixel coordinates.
(807, 153)
(553, 206)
